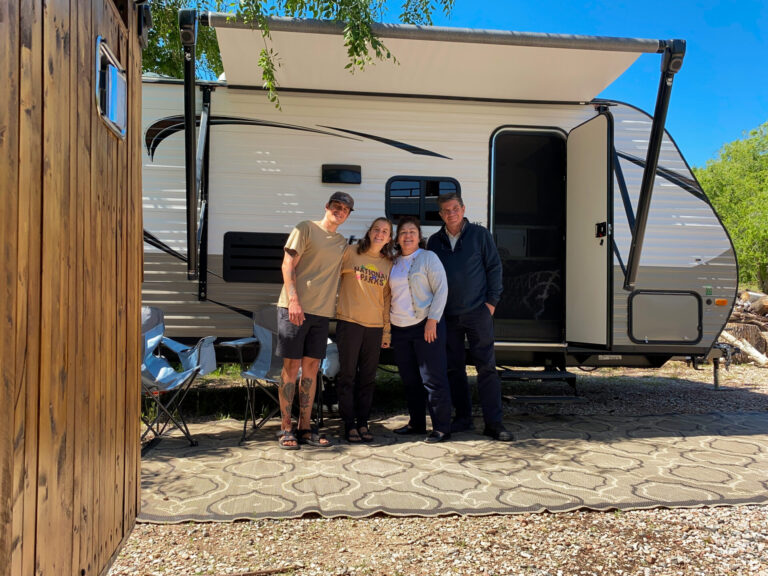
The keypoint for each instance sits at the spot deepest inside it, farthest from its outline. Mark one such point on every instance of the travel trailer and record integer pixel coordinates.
(612, 254)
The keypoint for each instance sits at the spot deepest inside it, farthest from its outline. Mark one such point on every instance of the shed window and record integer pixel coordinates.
(417, 196)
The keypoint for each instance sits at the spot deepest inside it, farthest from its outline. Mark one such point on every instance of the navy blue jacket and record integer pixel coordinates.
(473, 268)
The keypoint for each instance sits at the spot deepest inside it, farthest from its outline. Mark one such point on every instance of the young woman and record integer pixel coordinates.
(362, 328)
(419, 293)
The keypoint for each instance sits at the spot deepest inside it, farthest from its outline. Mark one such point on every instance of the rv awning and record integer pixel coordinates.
(432, 61)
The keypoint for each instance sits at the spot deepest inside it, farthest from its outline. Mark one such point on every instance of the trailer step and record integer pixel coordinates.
(539, 375)
(544, 399)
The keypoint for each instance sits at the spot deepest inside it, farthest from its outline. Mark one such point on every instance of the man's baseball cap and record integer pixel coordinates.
(344, 198)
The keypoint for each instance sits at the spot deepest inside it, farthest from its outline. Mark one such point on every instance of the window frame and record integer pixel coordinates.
(422, 197)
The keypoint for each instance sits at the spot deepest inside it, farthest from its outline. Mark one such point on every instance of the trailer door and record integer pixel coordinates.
(588, 190)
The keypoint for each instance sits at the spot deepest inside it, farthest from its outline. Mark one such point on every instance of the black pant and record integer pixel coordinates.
(477, 326)
(359, 349)
(423, 369)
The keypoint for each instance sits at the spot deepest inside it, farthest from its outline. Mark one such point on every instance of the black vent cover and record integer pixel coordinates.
(254, 257)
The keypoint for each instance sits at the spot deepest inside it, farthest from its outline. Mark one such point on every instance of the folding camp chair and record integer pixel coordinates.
(162, 386)
(329, 368)
(264, 372)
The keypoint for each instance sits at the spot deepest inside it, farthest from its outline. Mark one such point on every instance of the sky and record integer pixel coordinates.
(721, 92)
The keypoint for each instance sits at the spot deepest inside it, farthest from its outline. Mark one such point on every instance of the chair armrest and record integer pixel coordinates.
(206, 355)
(240, 342)
(255, 373)
(202, 355)
(176, 347)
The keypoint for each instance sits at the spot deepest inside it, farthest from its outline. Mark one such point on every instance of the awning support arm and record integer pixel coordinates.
(671, 62)
(204, 155)
(188, 32)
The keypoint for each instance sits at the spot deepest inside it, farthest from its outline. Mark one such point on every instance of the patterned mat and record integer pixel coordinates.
(556, 464)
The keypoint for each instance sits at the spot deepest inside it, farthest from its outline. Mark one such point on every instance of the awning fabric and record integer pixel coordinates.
(432, 61)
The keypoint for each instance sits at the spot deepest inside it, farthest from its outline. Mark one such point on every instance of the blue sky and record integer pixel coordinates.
(721, 91)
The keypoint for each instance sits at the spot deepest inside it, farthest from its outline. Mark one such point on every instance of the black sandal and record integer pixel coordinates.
(288, 436)
(365, 434)
(313, 437)
(436, 436)
(352, 436)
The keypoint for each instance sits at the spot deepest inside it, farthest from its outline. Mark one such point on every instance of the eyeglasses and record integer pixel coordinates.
(455, 210)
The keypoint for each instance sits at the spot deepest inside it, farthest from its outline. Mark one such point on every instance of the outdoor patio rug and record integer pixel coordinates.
(556, 463)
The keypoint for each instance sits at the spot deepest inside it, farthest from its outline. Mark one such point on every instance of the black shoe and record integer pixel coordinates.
(409, 430)
(498, 432)
(434, 437)
(462, 425)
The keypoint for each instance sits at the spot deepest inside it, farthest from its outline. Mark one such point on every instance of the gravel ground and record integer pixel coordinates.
(706, 541)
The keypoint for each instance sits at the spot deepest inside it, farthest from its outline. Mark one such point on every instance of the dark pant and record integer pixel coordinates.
(477, 326)
(359, 349)
(423, 369)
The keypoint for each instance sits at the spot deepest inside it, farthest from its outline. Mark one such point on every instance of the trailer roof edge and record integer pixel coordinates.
(445, 34)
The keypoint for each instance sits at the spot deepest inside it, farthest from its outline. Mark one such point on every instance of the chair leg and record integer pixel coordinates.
(181, 424)
(250, 407)
(177, 420)
(167, 411)
(151, 425)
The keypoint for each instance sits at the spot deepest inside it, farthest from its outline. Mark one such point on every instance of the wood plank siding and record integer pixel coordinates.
(70, 280)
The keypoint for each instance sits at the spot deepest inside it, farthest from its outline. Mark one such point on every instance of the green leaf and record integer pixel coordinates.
(164, 55)
(736, 183)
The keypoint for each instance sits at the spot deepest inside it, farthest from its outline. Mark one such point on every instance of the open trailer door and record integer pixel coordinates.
(588, 219)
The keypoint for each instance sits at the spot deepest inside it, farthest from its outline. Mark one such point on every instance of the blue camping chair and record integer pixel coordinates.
(161, 385)
(264, 372)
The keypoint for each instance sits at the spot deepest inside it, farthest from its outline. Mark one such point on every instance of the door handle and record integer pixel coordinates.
(601, 230)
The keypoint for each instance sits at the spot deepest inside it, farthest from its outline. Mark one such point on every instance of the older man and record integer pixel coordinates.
(473, 267)
(311, 269)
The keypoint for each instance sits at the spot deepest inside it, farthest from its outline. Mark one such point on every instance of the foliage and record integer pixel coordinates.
(163, 54)
(737, 184)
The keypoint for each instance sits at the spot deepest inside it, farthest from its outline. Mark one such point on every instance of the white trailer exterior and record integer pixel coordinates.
(554, 173)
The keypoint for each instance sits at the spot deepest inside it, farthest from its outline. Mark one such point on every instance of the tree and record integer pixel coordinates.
(737, 184)
(163, 54)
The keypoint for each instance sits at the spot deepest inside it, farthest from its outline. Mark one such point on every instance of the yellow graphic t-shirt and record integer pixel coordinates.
(364, 294)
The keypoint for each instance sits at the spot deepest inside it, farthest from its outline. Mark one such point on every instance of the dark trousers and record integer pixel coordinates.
(359, 349)
(423, 369)
(477, 326)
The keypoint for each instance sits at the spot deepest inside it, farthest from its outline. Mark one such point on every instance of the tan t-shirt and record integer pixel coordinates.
(364, 294)
(317, 273)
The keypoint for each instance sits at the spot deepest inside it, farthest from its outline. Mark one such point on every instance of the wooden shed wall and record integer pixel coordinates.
(70, 273)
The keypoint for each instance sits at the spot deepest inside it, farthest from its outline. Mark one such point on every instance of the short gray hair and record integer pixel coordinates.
(447, 197)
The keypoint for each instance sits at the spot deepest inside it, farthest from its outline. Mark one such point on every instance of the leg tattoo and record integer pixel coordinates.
(286, 391)
(304, 390)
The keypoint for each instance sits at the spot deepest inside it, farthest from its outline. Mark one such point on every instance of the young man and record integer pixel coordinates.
(473, 267)
(311, 269)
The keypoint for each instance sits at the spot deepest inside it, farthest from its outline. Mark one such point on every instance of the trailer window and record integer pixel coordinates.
(417, 196)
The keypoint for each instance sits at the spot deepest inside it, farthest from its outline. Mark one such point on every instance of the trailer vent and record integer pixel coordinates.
(341, 174)
(254, 257)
